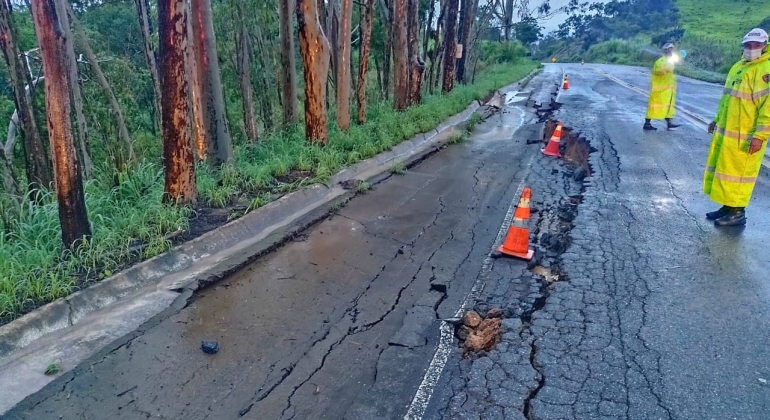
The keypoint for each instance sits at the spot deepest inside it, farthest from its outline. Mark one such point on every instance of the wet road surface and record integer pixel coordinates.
(301, 331)
(658, 314)
(651, 312)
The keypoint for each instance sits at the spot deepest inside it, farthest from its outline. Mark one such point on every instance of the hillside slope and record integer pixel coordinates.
(722, 20)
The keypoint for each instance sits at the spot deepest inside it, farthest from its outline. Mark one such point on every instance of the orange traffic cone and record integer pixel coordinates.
(552, 149)
(566, 83)
(517, 240)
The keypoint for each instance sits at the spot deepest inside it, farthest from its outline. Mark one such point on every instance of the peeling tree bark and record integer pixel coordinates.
(105, 85)
(314, 49)
(450, 45)
(289, 79)
(416, 63)
(49, 21)
(244, 68)
(343, 65)
(211, 95)
(364, 68)
(177, 151)
(142, 10)
(400, 55)
(77, 97)
(38, 165)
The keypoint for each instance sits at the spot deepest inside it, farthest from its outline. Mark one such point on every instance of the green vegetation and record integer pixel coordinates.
(129, 222)
(722, 20)
(398, 169)
(632, 33)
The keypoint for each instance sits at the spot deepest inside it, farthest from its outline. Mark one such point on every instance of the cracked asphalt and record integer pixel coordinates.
(306, 331)
(635, 308)
(657, 314)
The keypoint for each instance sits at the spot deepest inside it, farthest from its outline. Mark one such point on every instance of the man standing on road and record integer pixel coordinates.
(740, 132)
(663, 91)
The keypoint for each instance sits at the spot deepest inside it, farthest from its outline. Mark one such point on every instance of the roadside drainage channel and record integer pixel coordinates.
(147, 293)
(558, 187)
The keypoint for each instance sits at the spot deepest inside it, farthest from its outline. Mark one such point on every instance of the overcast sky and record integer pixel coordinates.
(553, 23)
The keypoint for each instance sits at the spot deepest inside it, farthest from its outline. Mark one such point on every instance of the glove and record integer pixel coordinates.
(712, 127)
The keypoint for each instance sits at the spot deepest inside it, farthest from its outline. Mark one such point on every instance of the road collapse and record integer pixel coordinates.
(557, 185)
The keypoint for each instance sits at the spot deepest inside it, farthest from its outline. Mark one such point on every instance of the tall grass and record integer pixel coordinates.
(129, 223)
(721, 21)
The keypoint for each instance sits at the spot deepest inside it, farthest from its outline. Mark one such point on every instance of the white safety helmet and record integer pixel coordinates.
(668, 46)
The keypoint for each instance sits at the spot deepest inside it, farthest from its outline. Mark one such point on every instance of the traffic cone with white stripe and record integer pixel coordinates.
(565, 86)
(517, 240)
(552, 149)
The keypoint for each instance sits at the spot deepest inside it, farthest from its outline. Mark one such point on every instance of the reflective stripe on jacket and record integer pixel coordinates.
(744, 113)
(663, 91)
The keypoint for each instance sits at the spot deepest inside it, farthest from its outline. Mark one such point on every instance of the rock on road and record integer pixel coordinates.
(655, 314)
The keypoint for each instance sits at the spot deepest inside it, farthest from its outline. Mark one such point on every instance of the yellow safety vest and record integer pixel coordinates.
(744, 113)
(663, 91)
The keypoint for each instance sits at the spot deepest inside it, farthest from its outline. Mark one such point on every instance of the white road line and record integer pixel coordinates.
(427, 386)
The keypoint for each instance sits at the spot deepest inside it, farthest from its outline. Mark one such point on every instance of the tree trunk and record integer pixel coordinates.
(508, 19)
(105, 85)
(387, 18)
(400, 55)
(177, 151)
(332, 31)
(416, 63)
(77, 97)
(428, 28)
(314, 49)
(73, 216)
(467, 17)
(142, 10)
(450, 45)
(343, 65)
(366, 39)
(36, 159)
(193, 73)
(244, 68)
(436, 54)
(220, 147)
(264, 83)
(288, 62)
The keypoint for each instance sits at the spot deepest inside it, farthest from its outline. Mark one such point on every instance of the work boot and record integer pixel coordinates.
(649, 127)
(672, 126)
(736, 217)
(714, 215)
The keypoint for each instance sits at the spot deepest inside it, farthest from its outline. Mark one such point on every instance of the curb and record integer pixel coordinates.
(125, 301)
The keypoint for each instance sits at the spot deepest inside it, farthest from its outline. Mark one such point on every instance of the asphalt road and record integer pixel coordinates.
(652, 312)
(660, 315)
(302, 332)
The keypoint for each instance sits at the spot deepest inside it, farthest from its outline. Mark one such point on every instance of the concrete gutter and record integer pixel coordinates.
(69, 330)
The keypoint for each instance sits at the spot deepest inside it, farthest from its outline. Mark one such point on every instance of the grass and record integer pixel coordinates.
(721, 20)
(130, 224)
(398, 169)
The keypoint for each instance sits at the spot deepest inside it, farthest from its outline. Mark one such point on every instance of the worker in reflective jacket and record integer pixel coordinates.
(740, 132)
(662, 103)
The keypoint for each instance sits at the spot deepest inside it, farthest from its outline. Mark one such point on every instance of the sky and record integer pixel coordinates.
(553, 23)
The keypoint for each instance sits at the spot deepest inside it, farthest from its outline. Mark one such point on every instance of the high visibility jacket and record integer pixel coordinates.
(744, 113)
(663, 91)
